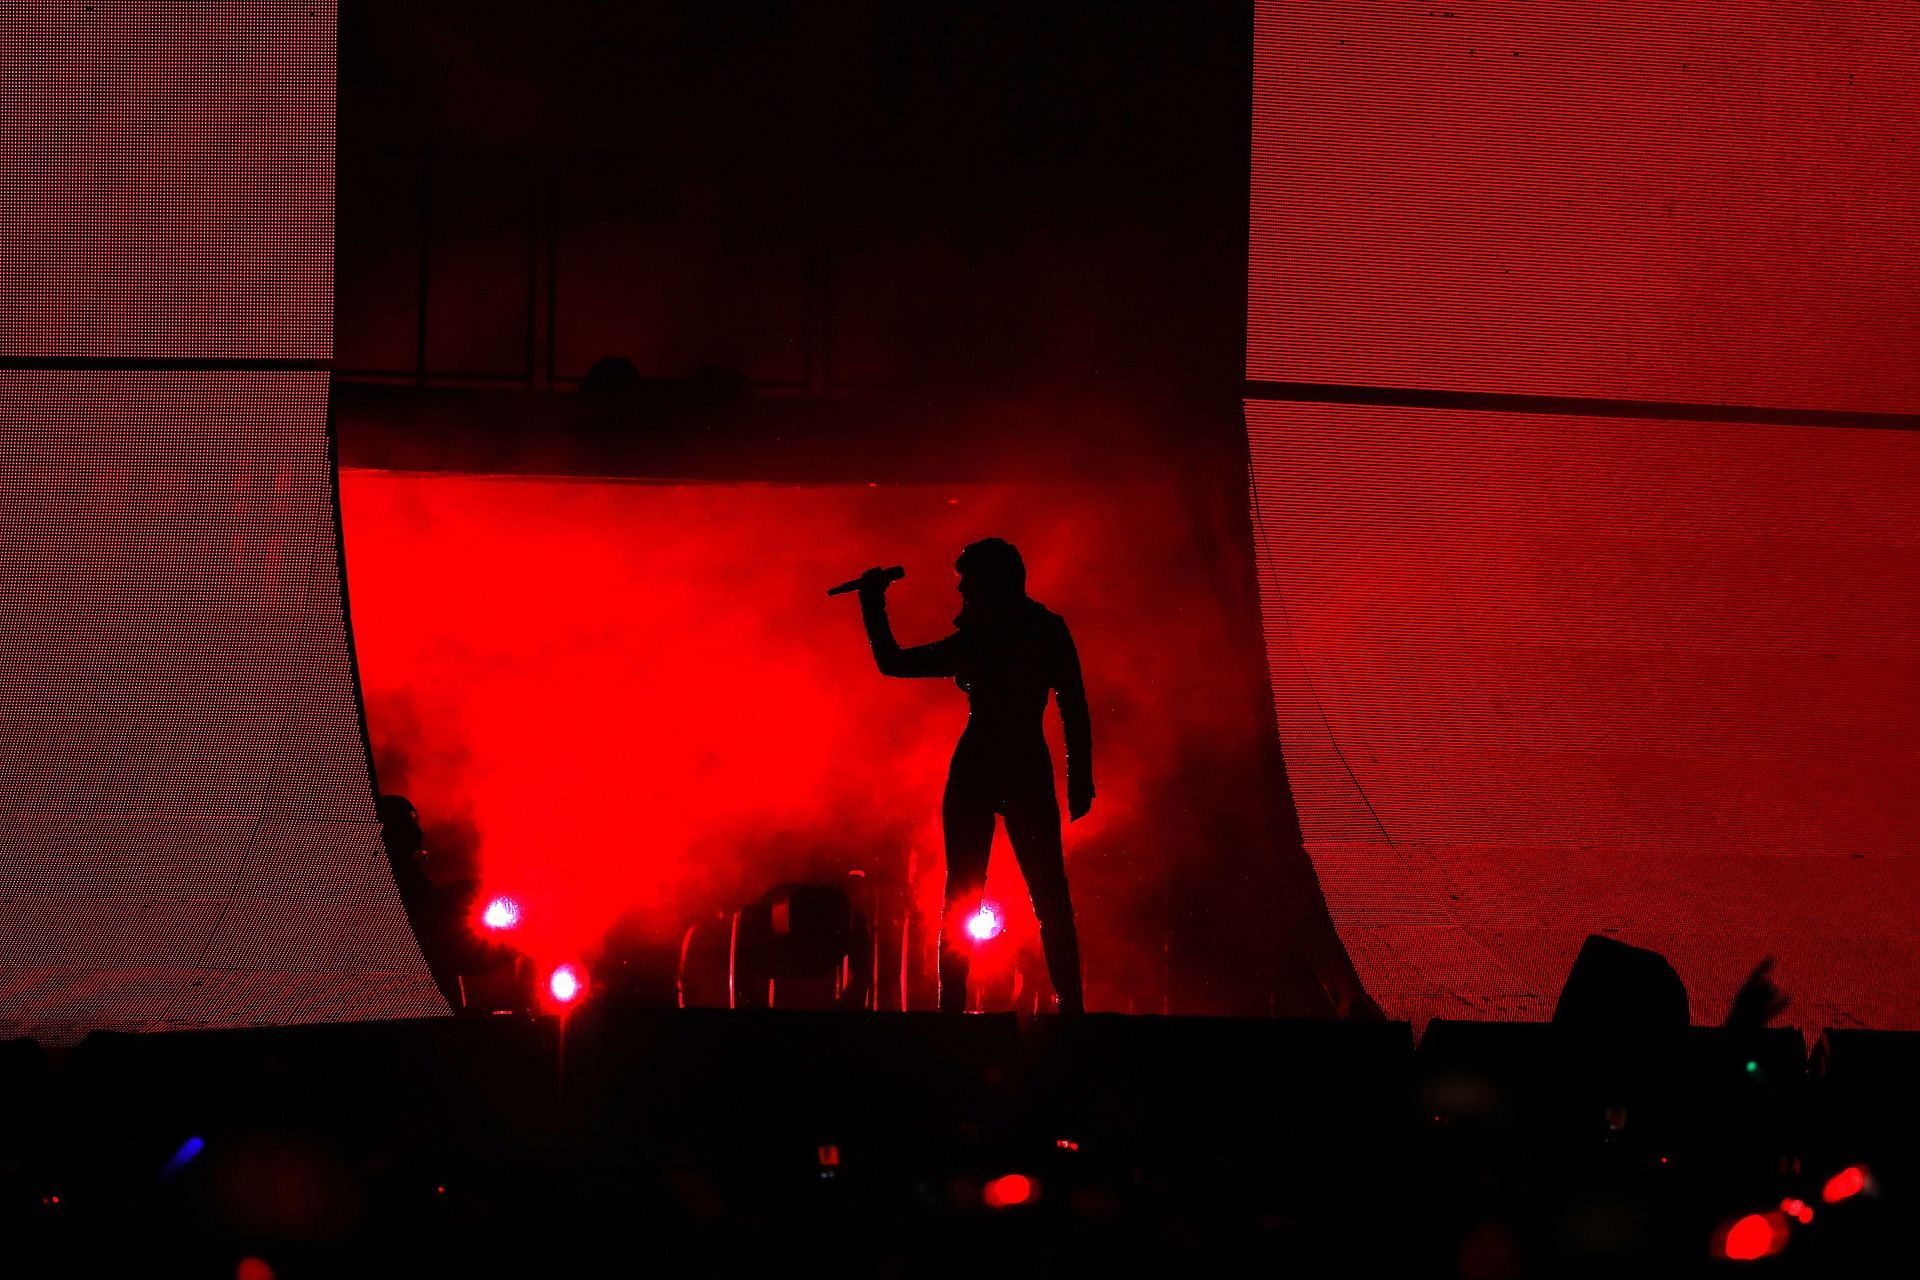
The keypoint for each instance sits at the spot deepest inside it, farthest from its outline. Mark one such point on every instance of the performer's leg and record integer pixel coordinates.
(967, 821)
(1034, 829)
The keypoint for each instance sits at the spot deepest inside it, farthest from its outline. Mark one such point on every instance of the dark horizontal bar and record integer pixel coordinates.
(445, 375)
(165, 364)
(1576, 406)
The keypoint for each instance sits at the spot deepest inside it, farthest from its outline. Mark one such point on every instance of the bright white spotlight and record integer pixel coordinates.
(984, 923)
(502, 913)
(567, 984)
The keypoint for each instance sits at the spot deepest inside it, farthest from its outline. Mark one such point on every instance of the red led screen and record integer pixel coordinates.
(166, 179)
(188, 835)
(1542, 677)
(1635, 200)
(634, 701)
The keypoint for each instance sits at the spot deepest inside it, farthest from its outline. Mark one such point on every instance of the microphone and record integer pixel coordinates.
(886, 575)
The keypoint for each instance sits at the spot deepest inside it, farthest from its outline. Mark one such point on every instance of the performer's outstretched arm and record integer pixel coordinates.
(941, 658)
(1070, 695)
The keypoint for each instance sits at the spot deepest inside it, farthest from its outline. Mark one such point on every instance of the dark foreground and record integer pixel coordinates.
(670, 1142)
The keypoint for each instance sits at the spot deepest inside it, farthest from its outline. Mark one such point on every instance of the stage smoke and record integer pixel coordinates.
(638, 704)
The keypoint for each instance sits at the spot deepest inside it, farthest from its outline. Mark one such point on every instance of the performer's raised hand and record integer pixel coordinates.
(871, 583)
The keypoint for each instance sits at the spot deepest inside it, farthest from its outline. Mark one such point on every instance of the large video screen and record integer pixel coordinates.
(166, 179)
(1709, 202)
(187, 835)
(1543, 677)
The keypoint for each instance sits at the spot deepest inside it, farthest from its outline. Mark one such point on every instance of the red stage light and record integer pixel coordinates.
(1844, 1185)
(1758, 1235)
(1799, 1210)
(567, 984)
(986, 923)
(1005, 1192)
(502, 913)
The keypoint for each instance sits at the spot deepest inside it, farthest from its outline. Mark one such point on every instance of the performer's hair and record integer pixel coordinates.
(996, 564)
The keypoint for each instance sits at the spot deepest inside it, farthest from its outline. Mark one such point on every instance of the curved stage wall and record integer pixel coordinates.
(1540, 674)
(187, 836)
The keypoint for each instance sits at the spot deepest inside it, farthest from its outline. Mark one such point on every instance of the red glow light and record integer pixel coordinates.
(1844, 1185)
(1799, 1210)
(567, 984)
(1758, 1235)
(1007, 1191)
(501, 913)
(986, 923)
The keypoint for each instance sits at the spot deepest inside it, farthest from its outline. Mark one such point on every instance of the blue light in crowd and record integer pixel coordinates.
(188, 1150)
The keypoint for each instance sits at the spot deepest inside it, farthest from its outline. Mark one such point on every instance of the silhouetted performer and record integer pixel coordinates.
(438, 915)
(1007, 652)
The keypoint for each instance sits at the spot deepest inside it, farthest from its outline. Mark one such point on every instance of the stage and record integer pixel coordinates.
(1455, 475)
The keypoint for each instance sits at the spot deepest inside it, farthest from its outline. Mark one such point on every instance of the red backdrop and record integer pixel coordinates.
(1542, 676)
(616, 699)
